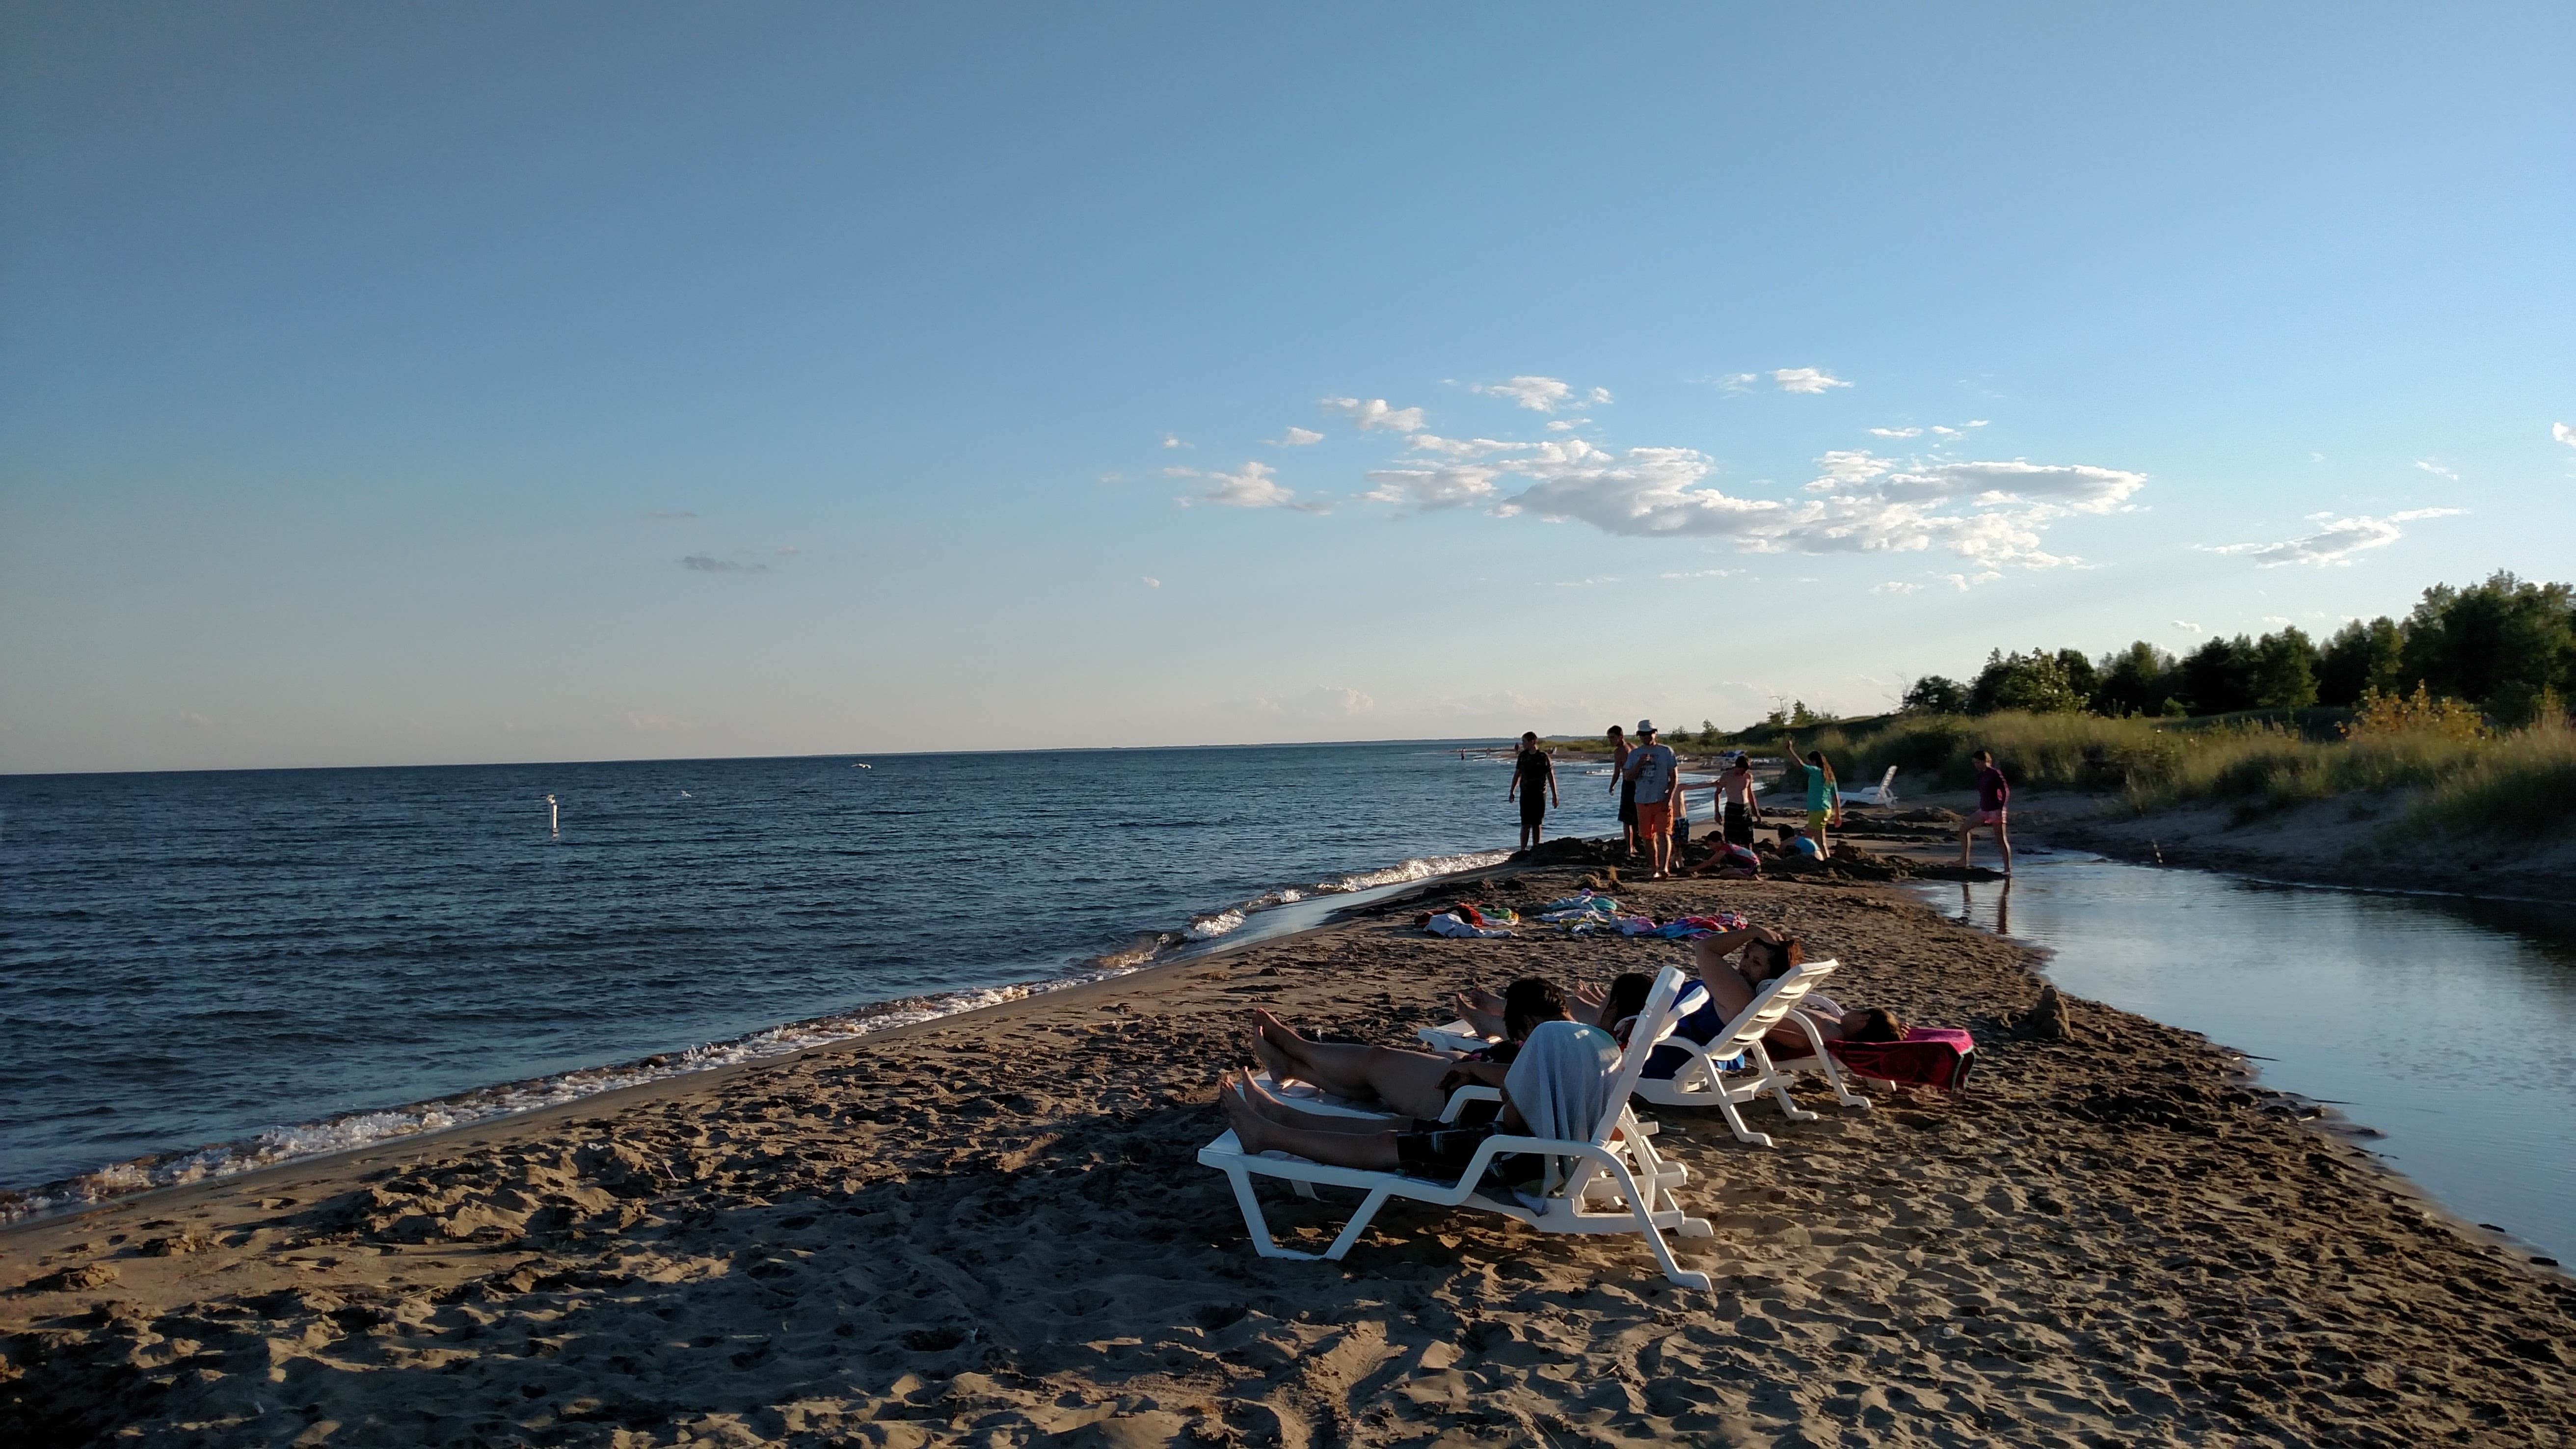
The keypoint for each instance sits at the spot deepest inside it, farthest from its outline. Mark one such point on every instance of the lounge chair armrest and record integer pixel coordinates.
(1473, 1092)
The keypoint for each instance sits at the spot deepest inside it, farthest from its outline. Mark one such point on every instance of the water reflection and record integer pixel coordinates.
(2444, 1023)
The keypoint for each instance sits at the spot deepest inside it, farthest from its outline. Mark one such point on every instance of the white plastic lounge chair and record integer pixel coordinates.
(1881, 794)
(1708, 1080)
(1594, 1192)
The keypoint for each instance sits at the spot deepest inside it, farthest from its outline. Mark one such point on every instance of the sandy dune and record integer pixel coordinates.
(991, 1230)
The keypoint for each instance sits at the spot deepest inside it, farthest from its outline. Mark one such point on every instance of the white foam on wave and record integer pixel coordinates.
(1419, 868)
(1208, 928)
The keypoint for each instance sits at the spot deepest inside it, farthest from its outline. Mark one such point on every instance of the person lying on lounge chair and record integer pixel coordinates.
(1558, 1087)
(1762, 953)
(1524, 1004)
(1416, 1084)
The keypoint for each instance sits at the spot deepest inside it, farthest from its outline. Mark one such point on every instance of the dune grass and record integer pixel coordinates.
(2521, 784)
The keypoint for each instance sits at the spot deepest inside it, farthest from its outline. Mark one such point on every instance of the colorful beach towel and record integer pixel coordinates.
(1930, 1056)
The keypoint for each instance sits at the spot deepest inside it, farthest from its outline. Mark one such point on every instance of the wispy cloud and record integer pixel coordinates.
(1739, 381)
(1898, 432)
(1173, 440)
(1296, 437)
(2563, 433)
(2188, 627)
(2438, 470)
(1701, 574)
(1893, 587)
(707, 563)
(2337, 542)
(1152, 582)
(190, 719)
(1805, 379)
(1255, 485)
(1566, 425)
(1324, 702)
(1583, 583)
(787, 550)
(1542, 394)
(1373, 414)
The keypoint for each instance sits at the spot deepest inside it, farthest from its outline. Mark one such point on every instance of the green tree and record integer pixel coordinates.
(1935, 694)
(2081, 676)
(2285, 670)
(2362, 659)
(2500, 644)
(2218, 676)
(2035, 681)
(2136, 680)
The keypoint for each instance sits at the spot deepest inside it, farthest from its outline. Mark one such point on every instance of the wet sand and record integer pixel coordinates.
(991, 1229)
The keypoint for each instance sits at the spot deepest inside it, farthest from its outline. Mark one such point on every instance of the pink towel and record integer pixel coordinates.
(1930, 1056)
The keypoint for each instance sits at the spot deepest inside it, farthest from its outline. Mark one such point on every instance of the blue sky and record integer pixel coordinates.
(473, 383)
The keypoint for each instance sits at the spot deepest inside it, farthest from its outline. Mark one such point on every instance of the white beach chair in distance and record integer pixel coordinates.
(1882, 794)
(1592, 1187)
(1704, 1080)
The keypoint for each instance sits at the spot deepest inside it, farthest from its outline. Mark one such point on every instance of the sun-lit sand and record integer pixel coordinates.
(990, 1229)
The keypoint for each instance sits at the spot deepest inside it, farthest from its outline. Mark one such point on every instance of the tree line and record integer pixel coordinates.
(2506, 646)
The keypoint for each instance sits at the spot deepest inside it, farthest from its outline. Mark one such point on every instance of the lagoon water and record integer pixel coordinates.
(285, 959)
(2445, 1024)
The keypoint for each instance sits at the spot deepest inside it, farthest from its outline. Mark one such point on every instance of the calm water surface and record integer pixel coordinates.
(2445, 1024)
(189, 959)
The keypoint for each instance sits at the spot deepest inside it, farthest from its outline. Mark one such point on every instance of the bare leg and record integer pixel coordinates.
(1289, 1114)
(1281, 1066)
(2003, 842)
(1375, 1150)
(1967, 843)
(1483, 1011)
(1407, 1081)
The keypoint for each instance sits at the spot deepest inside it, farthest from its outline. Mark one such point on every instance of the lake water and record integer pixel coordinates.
(2445, 1024)
(292, 961)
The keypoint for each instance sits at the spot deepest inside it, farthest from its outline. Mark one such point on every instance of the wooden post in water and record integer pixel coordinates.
(554, 818)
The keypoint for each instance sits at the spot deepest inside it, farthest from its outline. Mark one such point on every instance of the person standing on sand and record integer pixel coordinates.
(1620, 786)
(1656, 773)
(1994, 794)
(1534, 768)
(1735, 789)
(1824, 796)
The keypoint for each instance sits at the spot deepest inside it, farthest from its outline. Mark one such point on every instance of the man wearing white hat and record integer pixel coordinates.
(1657, 772)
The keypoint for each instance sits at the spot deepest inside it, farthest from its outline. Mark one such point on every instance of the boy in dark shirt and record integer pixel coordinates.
(1535, 768)
(1994, 795)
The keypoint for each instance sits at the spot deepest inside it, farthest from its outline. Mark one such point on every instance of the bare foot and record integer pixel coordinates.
(1281, 1066)
(1249, 1128)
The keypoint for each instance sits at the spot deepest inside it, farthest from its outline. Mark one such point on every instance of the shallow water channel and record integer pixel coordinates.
(2448, 1025)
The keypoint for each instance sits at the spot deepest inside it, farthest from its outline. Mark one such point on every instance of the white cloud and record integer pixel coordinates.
(1739, 381)
(1898, 432)
(1462, 447)
(2336, 543)
(1374, 414)
(1173, 440)
(1254, 486)
(2187, 626)
(1323, 702)
(1566, 425)
(1805, 379)
(1965, 582)
(2437, 470)
(1295, 438)
(1445, 486)
(1599, 397)
(2563, 433)
(1895, 588)
(1152, 582)
(1583, 583)
(787, 550)
(1960, 431)
(1703, 574)
(1538, 394)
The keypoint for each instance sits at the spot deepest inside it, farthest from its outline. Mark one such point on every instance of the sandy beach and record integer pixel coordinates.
(990, 1229)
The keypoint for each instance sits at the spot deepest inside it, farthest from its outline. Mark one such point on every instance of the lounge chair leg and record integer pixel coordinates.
(1640, 1207)
(1788, 1109)
(1735, 1120)
(1842, 1093)
(1255, 1222)
(1357, 1225)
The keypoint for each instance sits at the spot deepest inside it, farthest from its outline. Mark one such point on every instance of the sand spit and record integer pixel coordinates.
(989, 1229)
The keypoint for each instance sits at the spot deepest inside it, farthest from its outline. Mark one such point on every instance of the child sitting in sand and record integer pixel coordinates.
(1558, 1086)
